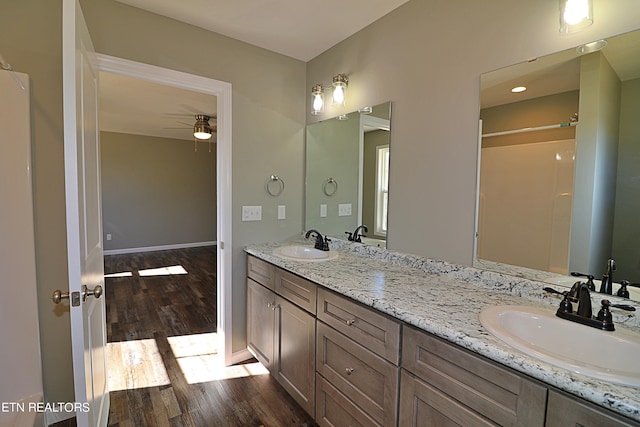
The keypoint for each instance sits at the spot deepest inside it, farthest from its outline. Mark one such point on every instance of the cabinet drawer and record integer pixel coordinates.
(364, 325)
(503, 396)
(422, 405)
(260, 271)
(334, 409)
(563, 411)
(296, 289)
(370, 381)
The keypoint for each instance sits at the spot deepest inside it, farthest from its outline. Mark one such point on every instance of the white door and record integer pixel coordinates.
(84, 222)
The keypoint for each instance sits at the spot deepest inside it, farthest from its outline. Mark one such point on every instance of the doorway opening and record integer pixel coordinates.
(222, 92)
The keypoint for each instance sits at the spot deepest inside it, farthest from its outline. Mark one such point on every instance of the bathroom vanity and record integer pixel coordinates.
(380, 338)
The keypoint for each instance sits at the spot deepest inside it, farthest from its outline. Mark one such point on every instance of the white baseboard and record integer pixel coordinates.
(159, 248)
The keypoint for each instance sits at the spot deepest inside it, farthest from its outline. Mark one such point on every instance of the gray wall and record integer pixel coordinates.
(626, 232)
(156, 191)
(426, 57)
(596, 164)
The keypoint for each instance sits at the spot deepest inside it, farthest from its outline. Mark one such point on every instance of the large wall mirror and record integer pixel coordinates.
(559, 177)
(347, 174)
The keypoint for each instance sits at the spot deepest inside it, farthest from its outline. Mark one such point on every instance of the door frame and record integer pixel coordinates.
(223, 92)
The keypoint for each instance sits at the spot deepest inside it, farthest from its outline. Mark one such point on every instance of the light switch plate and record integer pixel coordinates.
(251, 213)
(323, 211)
(282, 212)
(344, 209)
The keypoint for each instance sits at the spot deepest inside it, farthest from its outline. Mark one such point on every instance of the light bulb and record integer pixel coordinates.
(317, 102)
(338, 95)
(575, 11)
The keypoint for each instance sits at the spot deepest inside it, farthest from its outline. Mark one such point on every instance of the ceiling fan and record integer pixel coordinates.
(202, 129)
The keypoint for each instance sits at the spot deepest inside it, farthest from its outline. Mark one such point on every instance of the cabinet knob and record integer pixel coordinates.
(350, 322)
(349, 371)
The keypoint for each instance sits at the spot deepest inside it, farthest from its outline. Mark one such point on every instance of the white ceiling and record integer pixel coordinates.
(302, 29)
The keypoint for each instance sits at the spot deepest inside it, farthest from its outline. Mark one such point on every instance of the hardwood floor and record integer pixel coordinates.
(153, 321)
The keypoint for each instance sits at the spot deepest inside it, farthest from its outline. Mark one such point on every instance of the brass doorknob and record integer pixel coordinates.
(58, 296)
(96, 292)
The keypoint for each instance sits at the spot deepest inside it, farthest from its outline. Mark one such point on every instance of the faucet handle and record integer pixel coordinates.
(604, 315)
(350, 238)
(325, 244)
(590, 277)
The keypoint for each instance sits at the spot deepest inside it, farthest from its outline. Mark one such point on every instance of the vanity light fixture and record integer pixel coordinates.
(575, 15)
(518, 89)
(338, 97)
(317, 95)
(340, 83)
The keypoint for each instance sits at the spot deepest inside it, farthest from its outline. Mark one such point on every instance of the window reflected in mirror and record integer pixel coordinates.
(347, 174)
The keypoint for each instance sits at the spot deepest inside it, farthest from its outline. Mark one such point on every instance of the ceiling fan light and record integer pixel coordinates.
(202, 129)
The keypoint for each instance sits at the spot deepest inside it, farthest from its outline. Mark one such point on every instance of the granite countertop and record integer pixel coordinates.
(445, 299)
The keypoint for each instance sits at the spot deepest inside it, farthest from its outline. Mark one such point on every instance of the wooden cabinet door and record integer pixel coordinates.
(261, 323)
(422, 405)
(499, 394)
(563, 411)
(295, 353)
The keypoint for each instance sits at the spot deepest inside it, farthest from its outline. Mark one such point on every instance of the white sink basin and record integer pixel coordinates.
(609, 356)
(304, 253)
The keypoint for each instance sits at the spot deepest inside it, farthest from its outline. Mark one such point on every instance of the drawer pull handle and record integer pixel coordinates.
(350, 322)
(349, 371)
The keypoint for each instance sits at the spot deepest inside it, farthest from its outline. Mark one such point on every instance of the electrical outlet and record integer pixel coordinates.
(282, 212)
(252, 213)
(108, 236)
(344, 209)
(323, 211)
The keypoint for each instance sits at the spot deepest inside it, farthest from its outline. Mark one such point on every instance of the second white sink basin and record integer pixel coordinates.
(304, 253)
(609, 356)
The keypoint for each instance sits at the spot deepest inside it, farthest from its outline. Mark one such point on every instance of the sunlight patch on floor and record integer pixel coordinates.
(115, 275)
(163, 271)
(198, 358)
(135, 364)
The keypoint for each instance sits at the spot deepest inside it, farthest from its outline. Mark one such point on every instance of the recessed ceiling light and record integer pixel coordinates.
(518, 89)
(592, 47)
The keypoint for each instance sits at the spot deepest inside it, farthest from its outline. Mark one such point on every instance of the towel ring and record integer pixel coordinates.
(275, 192)
(330, 186)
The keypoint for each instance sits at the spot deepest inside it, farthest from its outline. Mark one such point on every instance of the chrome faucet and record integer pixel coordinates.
(607, 278)
(321, 243)
(355, 237)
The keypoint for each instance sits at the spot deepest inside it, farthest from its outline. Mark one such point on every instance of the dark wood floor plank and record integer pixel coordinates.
(160, 307)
